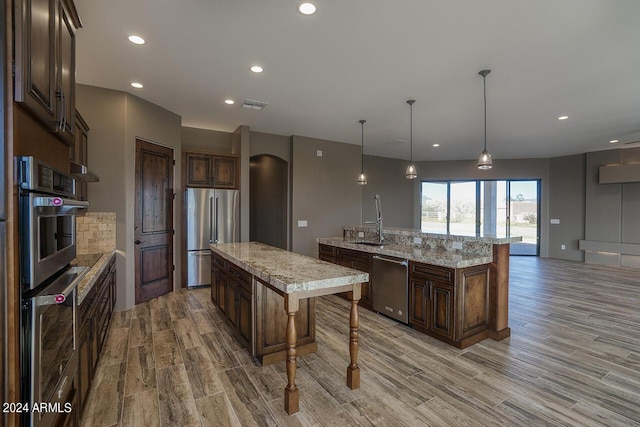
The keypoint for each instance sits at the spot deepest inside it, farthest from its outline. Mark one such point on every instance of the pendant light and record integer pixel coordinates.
(362, 179)
(411, 172)
(484, 161)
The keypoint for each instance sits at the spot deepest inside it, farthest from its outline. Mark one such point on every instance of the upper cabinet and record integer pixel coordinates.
(45, 62)
(211, 170)
(78, 152)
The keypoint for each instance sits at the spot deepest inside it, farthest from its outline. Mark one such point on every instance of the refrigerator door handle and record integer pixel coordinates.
(211, 219)
(216, 219)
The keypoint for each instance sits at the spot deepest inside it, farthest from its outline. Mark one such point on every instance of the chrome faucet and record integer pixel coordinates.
(378, 221)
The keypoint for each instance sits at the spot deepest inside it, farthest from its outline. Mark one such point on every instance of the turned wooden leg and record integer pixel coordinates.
(291, 395)
(353, 370)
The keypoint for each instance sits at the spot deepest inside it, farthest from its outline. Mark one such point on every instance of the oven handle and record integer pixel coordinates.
(61, 297)
(59, 202)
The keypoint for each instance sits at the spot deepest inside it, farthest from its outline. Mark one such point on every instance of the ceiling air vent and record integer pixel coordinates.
(250, 104)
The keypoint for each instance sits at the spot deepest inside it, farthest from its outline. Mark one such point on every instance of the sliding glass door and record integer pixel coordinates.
(496, 208)
(523, 216)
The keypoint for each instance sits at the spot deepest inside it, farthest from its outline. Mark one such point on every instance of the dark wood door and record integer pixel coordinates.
(199, 170)
(231, 295)
(225, 172)
(244, 316)
(153, 221)
(418, 302)
(66, 72)
(35, 74)
(441, 310)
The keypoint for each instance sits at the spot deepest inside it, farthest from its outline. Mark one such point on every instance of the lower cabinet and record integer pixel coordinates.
(352, 259)
(256, 314)
(450, 304)
(94, 315)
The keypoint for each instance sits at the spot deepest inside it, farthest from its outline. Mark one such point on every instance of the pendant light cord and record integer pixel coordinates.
(410, 102)
(484, 84)
(362, 122)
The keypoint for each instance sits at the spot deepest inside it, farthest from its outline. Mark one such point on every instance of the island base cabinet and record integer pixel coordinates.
(351, 259)
(271, 326)
(451, 305)
(256, 315)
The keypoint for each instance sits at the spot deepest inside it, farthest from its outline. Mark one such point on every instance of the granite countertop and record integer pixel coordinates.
(413, 253)
(484, 238)
(287, 271)
(97, 262)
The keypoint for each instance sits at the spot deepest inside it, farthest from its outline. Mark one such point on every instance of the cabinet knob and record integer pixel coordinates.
(137, 242)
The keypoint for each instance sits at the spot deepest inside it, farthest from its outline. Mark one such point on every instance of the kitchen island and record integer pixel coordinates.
(457, 286)
(295, 278)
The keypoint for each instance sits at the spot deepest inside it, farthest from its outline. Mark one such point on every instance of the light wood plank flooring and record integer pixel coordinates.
(573, 359)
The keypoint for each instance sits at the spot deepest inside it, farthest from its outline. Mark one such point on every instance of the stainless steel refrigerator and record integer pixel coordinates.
(212, 217)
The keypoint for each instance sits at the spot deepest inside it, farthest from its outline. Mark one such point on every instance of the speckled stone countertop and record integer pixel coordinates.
(92, 276)
(287, 271)
(414, 253)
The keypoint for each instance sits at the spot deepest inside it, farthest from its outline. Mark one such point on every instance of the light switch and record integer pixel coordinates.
(417, 240)
(302, 223)
(554, 221)
(563, 247)
(319, 153)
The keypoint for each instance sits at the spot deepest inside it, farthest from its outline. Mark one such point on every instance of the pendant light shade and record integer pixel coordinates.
(411, 172)
(484, 161)
(362, 179)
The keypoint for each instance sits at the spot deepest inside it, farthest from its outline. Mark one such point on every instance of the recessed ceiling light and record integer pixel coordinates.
(613, 141)
(229, 101)
(137, 85)
(563, 117)
(436, 145)
(307, 8)
(136, 40)
(257, 69)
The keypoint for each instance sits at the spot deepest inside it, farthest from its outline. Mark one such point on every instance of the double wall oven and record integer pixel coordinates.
(47, 217)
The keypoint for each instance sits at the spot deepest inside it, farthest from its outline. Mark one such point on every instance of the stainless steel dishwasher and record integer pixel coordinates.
(389, 283)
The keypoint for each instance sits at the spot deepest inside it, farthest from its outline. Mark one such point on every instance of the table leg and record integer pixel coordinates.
(291, 394)
(353, 370)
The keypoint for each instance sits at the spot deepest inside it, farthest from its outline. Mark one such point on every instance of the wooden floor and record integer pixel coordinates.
(573, 359)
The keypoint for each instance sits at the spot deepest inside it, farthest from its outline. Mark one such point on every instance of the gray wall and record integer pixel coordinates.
(386, 178)
(240, 144)
(210, 141)
(116, 119)
(612, 211)
(324, 191)
(279, 146)
(567, 203)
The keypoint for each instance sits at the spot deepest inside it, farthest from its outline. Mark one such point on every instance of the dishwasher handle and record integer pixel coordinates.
(403, 262)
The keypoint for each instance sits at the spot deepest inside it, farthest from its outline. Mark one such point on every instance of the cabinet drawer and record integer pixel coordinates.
(327, 251)
(433, 272)
(241, 277)
(361, 257)
(219, 262)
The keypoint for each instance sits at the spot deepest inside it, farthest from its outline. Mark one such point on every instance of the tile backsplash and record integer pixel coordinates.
(96, 232)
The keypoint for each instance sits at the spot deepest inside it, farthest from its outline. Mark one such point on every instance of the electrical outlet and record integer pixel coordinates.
(554, 221)
(360, 233)
(563, 247)
(457, 245)
(302, 223)
(319, 153)
(417, 240)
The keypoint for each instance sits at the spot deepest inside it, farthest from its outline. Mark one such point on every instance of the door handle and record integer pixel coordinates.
(137, 242)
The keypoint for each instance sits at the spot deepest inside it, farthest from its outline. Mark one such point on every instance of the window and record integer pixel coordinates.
(495, 208)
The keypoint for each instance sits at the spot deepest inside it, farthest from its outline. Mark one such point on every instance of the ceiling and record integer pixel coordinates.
(363, 59)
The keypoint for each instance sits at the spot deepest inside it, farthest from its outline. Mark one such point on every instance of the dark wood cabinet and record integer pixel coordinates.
(450, 304)
(95, 315)
(45, 62)
(210, 170)
(256, 315)
(78, 152)
(225, 173)
(352, 259)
